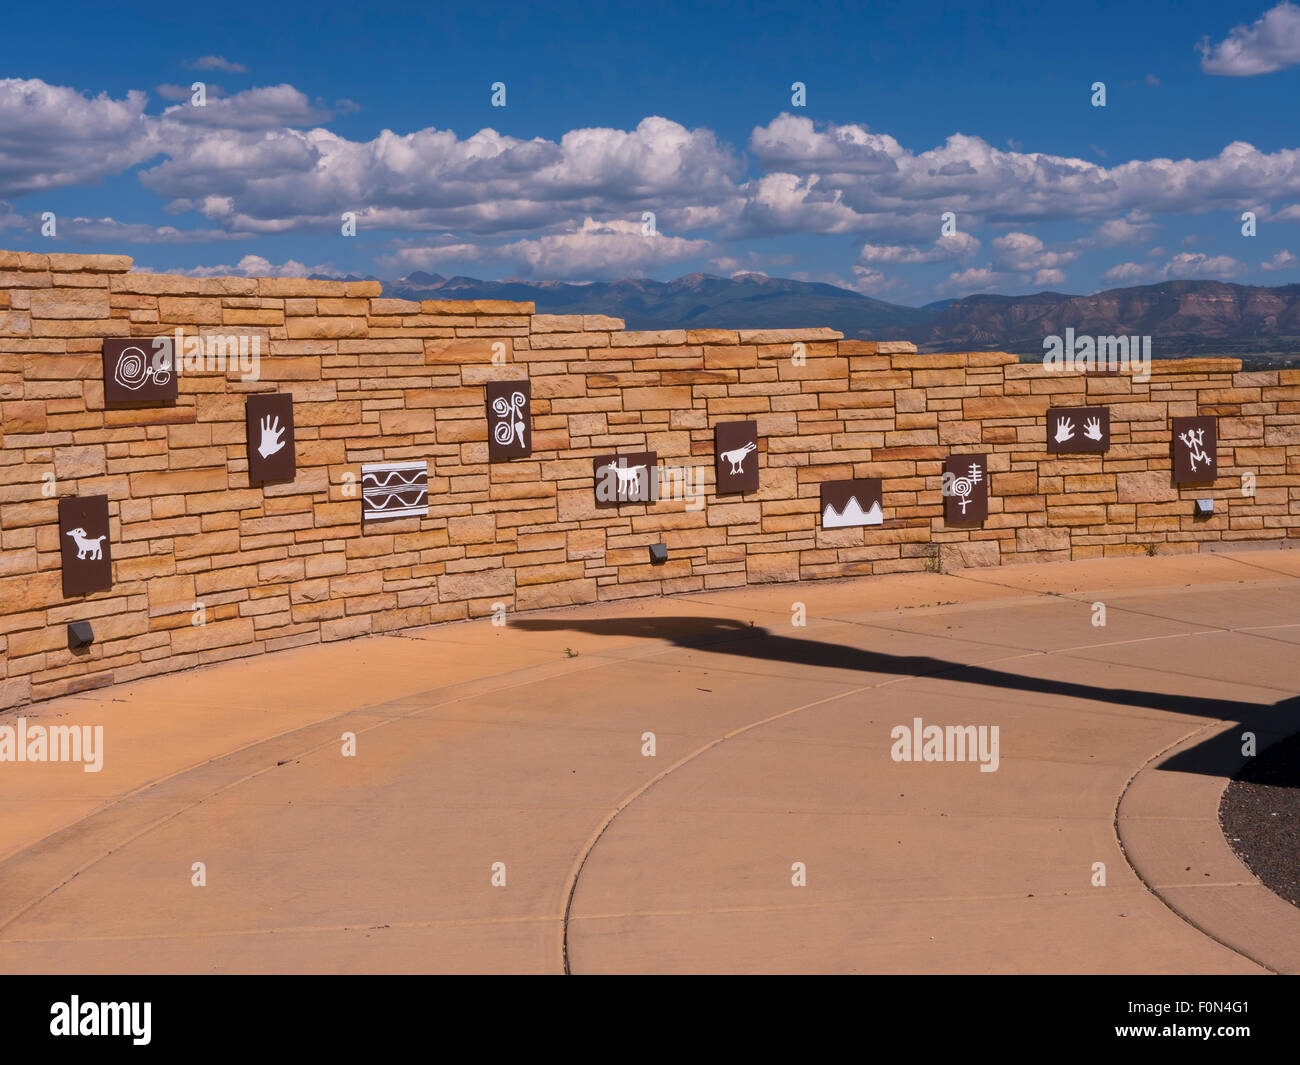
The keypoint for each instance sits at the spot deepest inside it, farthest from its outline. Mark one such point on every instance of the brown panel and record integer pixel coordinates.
(84, 543)
(394, 490)
(1078, 430)
(510, 420)
(139, 370)
(1195, 443)
(620, 484)
(736, 447)
(965, 489)
(850, 503)
(269, 422)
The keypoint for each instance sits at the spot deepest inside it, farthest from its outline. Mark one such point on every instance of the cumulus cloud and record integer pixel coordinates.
(1019, 260)
(952, 246)
(849, 178)
(1183, 266)
(870, 282)
(1129, 273)
(260, 162)
(1270, 43)
(256, 266)
(1023, 252)
(1133, 228)
(1199, 265)
(53, 137)
(1282, 260)
(11, 219)
(110, 230)
(216, 62)
(268, 107)
(751, 262)
(973, 280)
(184, 92)
(488, 183)
(593, 250)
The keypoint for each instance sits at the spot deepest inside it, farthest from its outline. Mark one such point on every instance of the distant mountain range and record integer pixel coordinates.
(1182, 317)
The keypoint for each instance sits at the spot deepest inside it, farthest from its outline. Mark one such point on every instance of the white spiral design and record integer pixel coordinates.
(511, 430)
(131, 370)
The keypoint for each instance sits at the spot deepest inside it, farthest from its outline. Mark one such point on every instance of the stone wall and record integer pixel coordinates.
(375, 378)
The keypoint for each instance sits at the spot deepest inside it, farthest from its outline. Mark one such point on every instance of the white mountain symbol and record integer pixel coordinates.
(852, 514)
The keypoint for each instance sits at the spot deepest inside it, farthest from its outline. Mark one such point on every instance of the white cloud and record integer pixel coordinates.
(1183, 265)
(1271, 43)
(257, 163)
(256, 266)
(109, 230)
(1133, 228)
(974, 279)
(216, 62)
(53, 137)
(488, 183)
(953, 246)
(863, 181)
(184, 92)
(1282, 260)
(1129, 273)
(1023, 252)
(268, 107)
(751, 262)
(593, 250)
(869, 282)
(1199, 265)
(1019, 260)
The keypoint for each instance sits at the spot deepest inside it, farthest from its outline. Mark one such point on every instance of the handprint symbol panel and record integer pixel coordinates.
(269, 421)
(1078, 430)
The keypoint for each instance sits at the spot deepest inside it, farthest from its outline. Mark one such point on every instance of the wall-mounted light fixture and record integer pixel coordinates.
(80, 634)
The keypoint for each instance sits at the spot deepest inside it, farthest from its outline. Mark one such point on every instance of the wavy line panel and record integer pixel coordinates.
(394, 490)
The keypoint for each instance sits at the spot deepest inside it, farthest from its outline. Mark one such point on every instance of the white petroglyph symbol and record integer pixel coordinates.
(1092, 429)
(87, 546)
(1194, 440)
(852, 515)
(511, 430)
(627, 478)
(737, 457)
(1064, 430)
(394, 490)
(962, 487)
(133, 369)
(271, 437)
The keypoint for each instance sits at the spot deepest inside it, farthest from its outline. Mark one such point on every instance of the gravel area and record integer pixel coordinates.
(1260, 817)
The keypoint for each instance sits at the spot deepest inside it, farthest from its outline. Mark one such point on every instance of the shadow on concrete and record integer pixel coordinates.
(1219, 756)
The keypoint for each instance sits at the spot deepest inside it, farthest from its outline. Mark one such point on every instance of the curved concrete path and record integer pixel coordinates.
(523, 745)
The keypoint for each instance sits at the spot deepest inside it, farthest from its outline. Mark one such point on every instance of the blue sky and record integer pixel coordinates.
(681, 110)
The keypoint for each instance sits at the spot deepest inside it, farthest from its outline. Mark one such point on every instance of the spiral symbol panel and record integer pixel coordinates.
(139, 371)
(508, 404)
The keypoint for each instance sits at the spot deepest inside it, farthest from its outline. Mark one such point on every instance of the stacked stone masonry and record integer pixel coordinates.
(374, 378)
